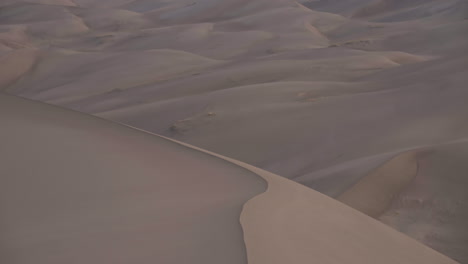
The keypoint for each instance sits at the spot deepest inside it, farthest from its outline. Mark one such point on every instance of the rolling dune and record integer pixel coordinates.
(76, 189)
(361, 100)
(94, 191)
(374, 193)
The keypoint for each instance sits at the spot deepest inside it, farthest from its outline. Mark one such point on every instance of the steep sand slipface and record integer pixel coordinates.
(342, 94)
(76, 189)
(16, 63)
(437, 197)
(422, 193)
(374, 193)
(290, 223)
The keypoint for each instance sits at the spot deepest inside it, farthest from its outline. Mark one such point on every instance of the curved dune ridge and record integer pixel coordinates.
(332, 94)
(93, 191)
(76, 189)
(290, 223)
(374, 193)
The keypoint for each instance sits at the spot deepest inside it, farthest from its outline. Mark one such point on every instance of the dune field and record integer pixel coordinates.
(363, 101)
(78, 189)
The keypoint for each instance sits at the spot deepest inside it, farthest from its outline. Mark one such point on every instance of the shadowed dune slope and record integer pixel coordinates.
(76, 189)
(325, 232)
(436, 198)
(328, 93)
(79, 189)
(374, 192)
(421, 192)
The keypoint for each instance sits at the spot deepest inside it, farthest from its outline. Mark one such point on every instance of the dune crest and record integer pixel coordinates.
(319, 91)
(374, 193)
(78, 189)
(15, 64)
(290, 223)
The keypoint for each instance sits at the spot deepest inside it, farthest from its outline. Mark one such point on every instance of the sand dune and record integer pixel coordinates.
(78, 189)
(328, 93)
(438, 195)
(374, 193)
(94, 191)
(15, 64)
(277, 222)
(151, 66)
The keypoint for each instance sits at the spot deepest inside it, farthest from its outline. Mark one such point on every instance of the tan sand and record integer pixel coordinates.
(15, 64)
(374, 193)
(438, 197)
(82, 189)
(290, 223)
(77, 189)
(321, 92)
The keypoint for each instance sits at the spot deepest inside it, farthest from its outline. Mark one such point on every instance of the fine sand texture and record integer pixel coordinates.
(77, 189)
(326, 232)
(375, 192)
(332, 94)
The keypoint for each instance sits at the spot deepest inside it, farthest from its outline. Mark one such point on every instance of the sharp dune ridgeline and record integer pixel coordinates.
(363, 101)
(88, 190)
(77, 189)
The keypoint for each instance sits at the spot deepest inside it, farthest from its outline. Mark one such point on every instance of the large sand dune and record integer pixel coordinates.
(332, 94)
(77, 189)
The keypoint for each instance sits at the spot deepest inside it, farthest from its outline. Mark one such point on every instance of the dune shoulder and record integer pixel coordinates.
(95, 191)
(78, 189)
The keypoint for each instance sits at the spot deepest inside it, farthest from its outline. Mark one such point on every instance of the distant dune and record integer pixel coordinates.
(361, 100)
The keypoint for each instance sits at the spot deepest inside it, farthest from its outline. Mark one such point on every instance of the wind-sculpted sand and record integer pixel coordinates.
(332, 94)
(290, 223)
(79, 189)
(374, 193)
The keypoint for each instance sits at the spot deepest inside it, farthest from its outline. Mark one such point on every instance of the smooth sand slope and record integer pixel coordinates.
(373, 193)
(421, 183)
(76, 189)
(322, 92)
(79, 189)
(303, 226)
(437, 193)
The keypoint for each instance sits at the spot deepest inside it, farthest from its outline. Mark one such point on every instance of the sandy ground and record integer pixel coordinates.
(79, 189)
(326, 232)
(76, 189)
(328, 93)
(373, 193)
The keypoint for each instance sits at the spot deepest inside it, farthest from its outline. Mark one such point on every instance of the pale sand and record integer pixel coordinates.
(78, 189)
(15, 64)
(374, 193)
(321, 92)
(290, 223)
(437, 194)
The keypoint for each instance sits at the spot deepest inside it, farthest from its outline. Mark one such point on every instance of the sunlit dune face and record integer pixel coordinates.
(361, 100)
